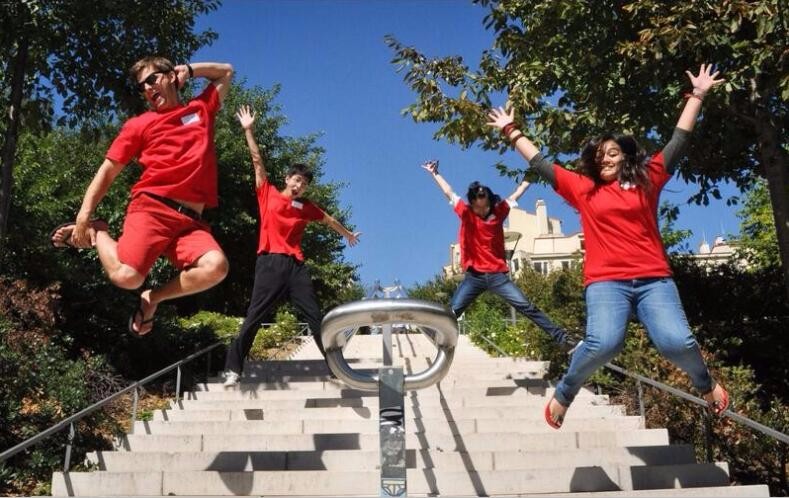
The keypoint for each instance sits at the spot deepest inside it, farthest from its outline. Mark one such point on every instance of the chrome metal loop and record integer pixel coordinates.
(435, 321)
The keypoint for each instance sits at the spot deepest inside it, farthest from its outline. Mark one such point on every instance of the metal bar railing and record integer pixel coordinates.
(304, 329)
(5, 455)
(767, 431)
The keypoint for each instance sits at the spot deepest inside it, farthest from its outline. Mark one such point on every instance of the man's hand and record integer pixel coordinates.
(353, 238)
(246, 116)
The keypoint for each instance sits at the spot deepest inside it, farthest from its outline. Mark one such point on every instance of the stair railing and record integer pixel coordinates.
(433, 320)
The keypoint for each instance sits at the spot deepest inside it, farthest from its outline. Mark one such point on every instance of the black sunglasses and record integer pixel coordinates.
(149, 80)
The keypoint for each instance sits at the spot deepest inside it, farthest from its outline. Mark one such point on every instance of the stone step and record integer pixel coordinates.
(272, 383)
(371, 401)
(430, 426)
(502, 441)
(348, 413)
(718, 492)
(237, 461)
(562, 479)
(257, 391)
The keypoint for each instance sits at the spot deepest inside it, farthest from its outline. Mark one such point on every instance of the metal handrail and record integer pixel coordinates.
(767, 431)
(5, 455)
(434, 320)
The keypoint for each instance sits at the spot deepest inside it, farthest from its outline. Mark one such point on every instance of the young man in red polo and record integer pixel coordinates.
(174, 144)
(482, 252)
(280, 272)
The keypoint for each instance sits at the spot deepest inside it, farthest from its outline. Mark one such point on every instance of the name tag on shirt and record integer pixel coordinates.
(297, 204)
(190, 118)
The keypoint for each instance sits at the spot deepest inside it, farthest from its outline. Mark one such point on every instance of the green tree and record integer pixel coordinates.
(757, 242)
(575, 68)
(79, 50)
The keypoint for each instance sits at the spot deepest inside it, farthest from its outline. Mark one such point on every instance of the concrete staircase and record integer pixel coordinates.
(290, 429)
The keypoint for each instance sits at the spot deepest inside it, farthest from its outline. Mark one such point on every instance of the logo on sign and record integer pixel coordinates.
(393, 487)
(391, 416)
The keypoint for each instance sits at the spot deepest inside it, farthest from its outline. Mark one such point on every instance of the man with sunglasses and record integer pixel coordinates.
(482, 252)
(174, 144)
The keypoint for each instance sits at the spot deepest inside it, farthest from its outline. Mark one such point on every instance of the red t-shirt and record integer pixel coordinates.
(620, 225)
(175, 149)
(482, 241)
(282, 221)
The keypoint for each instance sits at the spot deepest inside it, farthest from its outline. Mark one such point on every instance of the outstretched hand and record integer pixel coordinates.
(501, 117)
(353, 239)
(431, 167)
(705, 79)
(246, 116)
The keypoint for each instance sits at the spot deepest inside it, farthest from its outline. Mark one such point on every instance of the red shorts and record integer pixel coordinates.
(152, 229)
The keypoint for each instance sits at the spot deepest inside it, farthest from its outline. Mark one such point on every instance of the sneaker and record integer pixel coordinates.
(231, 378)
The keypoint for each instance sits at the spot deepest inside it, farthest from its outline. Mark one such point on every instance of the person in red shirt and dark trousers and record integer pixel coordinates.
(280, 271)
(174, 144)
(626, 271)
(482, 252)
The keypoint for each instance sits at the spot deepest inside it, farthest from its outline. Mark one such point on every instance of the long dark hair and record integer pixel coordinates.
(634, 168)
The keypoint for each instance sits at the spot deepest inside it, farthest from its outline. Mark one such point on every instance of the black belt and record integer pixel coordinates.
(185, 210)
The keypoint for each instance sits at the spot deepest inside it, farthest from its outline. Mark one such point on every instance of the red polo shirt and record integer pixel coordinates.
(282, 221)
(482, 241)
(175, 149)
(620, 225)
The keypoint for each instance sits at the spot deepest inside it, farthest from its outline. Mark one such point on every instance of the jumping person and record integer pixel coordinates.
(482, 251)
(174, 144)
(626, 270)
(280, 271)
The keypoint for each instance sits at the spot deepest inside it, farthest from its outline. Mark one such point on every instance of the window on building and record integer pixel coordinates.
(565, 265)
(516, 264)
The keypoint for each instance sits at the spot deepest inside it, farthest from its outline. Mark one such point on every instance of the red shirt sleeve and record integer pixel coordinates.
(313, 212)
(460, 208)
(210, 97)
(570, 184)
(657, 171)
(502, 209)
(128, 144)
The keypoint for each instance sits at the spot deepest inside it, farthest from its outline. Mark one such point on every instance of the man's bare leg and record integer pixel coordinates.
(210, 269)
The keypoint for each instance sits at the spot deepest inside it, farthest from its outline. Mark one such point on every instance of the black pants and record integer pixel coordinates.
(277, 277)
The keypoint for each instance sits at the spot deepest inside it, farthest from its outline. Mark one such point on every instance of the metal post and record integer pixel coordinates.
(708, 435)
(178, 385)
(135, 399)
(67, 462)
(387, 337)
(391, 399)
(640, 398)
(208, 366)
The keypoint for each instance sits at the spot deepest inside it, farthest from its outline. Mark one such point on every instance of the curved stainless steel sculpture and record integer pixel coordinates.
(442, 325)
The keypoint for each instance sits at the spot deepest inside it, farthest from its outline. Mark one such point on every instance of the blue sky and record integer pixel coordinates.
(337, 79)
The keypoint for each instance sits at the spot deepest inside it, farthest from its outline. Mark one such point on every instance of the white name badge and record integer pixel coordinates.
(190, 118)
(297, 204)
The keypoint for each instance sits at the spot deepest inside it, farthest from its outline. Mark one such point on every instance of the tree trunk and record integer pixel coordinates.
(18, 67)
(776, 169)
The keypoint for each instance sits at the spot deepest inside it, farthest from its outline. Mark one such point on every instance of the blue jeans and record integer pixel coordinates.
(609, 306)
(475, 283)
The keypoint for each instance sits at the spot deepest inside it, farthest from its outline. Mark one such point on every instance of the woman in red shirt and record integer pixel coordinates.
(626, 270)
